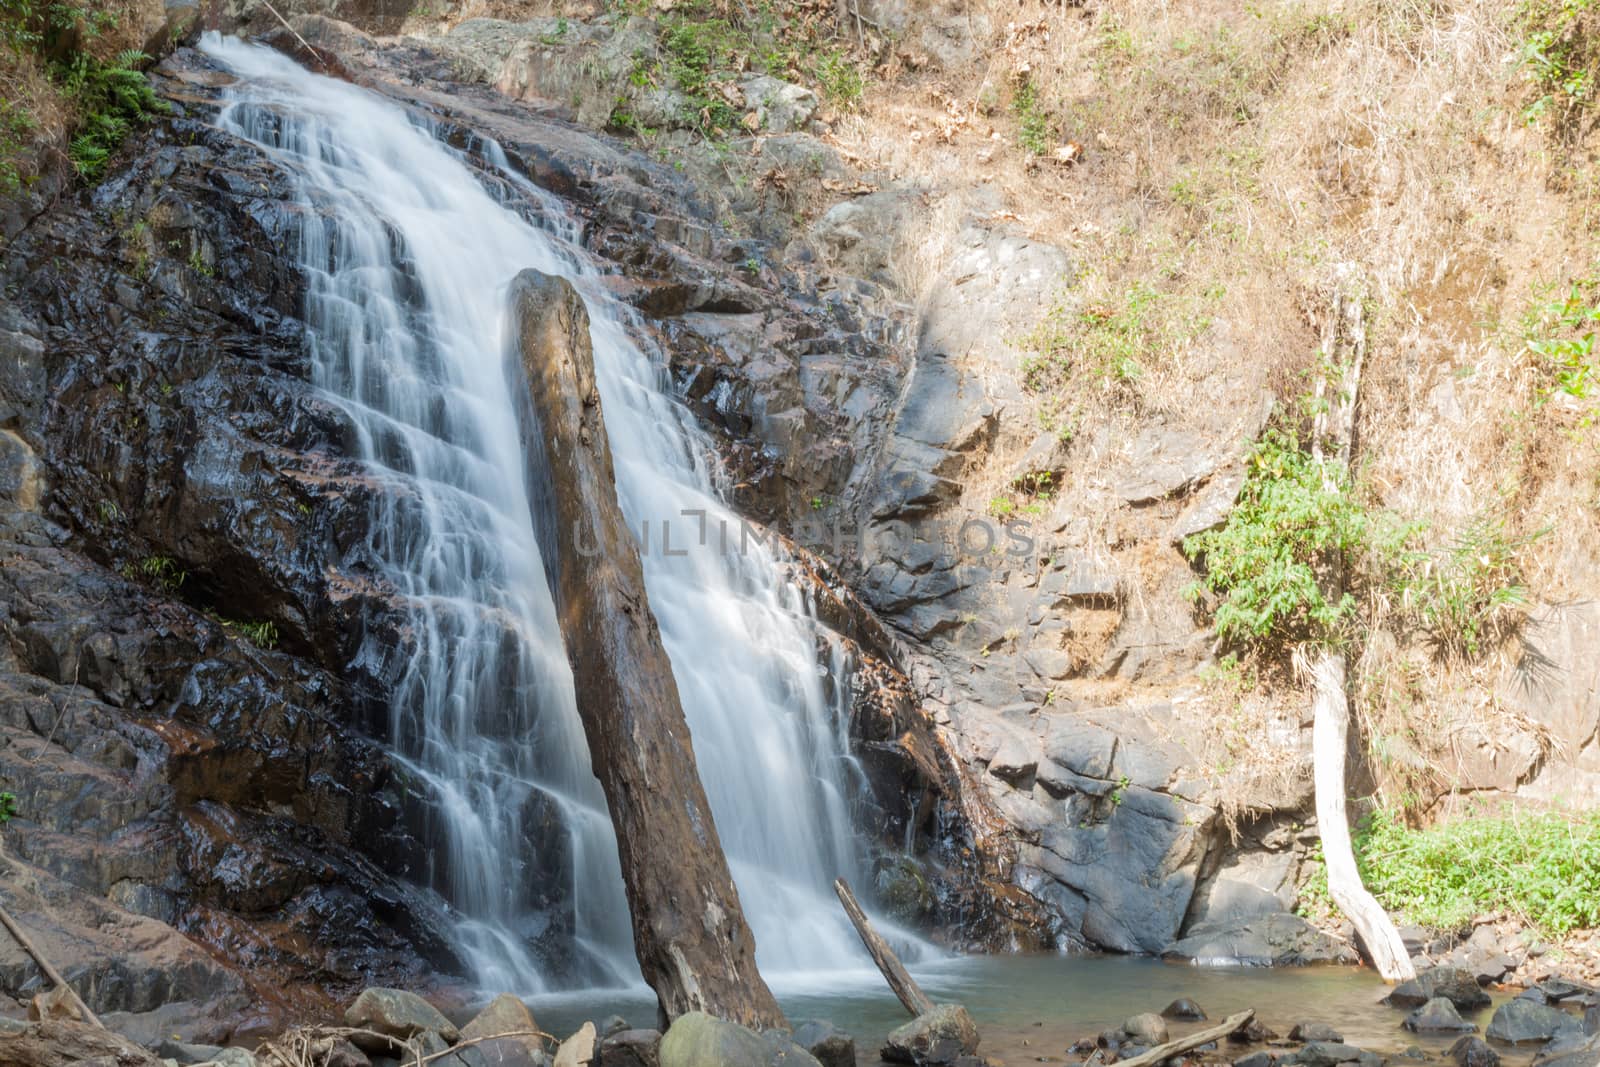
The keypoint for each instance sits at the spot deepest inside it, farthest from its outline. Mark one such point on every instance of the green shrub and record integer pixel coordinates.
(1562, 333)
(1544, 868)
(1558, 57)
(8, 807)
(1271, 563)
(1035, 131)
(841, 79)
(111, 98)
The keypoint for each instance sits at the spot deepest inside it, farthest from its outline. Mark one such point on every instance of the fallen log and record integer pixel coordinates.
(47, 967)
(894, 972)
(689, 932)
(1193, 1041)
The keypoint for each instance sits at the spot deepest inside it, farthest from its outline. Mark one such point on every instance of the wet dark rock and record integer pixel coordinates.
(633, 1048)
(612, 1024)
(1253, 1032)
(395, 1013)
(1437, 1016)
(1147, 1028)
(831, 1046)
(1455, 985)
(1184, 1009)
(1328, 1053)
(940, 1036)
(1254, 1059)
(1314, 1031)
(1523, 1022)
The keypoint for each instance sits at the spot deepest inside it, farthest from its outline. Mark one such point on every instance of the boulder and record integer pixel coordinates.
(185, 1053)
(395, 1013)
(780, 106)
(1329, 1053)
(1310, 1031)
(696, 1039)
(614, 1024)
(940, 1036)
(1437, 1016)
(831, 1046)
(1146, 1028)
(1276, 940)
(505, 1014)
(1185, 1010)
(1524, 1022)
(631, 1048)
(1457, 986)
(579, 1049)
(1254, 1059)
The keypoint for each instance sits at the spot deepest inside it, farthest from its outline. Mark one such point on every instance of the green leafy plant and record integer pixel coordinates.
(8, 807)
(261, 634)
(1562, 333)
(1543, 867)
(111, 98)
(1558, 57)
(1269, 565)
(1035, 130)
(161, 571)
(841, 79)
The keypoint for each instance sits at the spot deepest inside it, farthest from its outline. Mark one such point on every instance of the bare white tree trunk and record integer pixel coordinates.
(1345, 346)
(1329, 735)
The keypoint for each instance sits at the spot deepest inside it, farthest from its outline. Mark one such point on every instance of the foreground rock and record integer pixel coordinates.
(505, 1014)
(1473, 1051)
(689, 931)
(397, 1014)
(1437, 1016)
(1527, 1022)
(831, 1046)
(696, 1039)
(60, 1043)
(1453, 984)
(941, 1036)
(632, 1048)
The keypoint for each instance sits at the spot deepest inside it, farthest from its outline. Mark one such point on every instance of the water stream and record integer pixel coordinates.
(409, 248)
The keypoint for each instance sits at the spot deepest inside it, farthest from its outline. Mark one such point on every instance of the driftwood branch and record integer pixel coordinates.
(47, 967)
(1193, 1041)
(894, 972)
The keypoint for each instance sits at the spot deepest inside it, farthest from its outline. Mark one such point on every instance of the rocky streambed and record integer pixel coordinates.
(1029, 1009)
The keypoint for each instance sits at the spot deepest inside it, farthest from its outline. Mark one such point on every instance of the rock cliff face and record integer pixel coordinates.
(196, 657)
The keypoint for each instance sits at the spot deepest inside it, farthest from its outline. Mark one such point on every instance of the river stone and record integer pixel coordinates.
(1523, 1022)
(1328, 1053)
(614, 1024)
(1254, 1059)
(1437, 1016)
(506, 1014)
(1312, 1031)
(1280, 940)
(1455, 985)
(394, 1013)
(187, 1053)
(577, 1050)
(1185, 1010)
(631, 1048)
(831, 1046)
(939, 1036)
(696, 1039)
(1147, 1028)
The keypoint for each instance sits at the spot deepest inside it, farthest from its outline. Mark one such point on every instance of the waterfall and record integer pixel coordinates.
(408, 254)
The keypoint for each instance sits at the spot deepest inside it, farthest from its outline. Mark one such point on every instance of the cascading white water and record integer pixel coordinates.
(409, 257)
